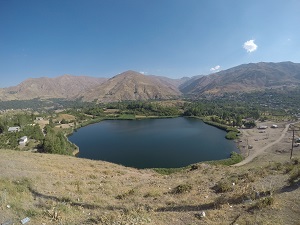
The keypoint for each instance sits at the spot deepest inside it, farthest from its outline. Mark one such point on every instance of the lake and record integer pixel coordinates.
(152, 143)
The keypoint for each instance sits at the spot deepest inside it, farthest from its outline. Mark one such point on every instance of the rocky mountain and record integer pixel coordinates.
(246, 78)
(66, 86)
(131, 85)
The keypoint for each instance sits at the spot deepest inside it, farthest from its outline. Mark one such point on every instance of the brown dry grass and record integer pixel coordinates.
(54, 189)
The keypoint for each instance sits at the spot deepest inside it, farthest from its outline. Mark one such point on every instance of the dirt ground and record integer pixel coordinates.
(254, 142)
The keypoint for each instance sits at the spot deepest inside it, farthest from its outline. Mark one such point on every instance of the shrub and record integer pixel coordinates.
(126, 194)
(265, 202)
(182, 188)
(295, 175)
(223, 186)
(231, 135)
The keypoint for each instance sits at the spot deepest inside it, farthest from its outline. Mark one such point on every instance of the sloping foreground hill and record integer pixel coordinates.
(66, 86)
(131, 85)
(246, 78)
(54, 189)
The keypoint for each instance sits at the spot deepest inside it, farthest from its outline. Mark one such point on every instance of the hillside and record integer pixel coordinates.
(131, 85)
(66, 86)
(246, 78)
(55, 189)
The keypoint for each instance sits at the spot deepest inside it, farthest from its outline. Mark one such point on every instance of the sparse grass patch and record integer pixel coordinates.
(264, 202)
(234, 159)
(275, 166)
(126, 194)
(168, 171)
(66, 199)
(247, 177)
(78, 184)
(16, 194)
(152, 194)
(92, 176)
(294, 175)
(32, 212)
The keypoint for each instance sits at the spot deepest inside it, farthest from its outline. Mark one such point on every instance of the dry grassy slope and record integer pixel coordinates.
(66, 86)
(131, 85)
(54, 189)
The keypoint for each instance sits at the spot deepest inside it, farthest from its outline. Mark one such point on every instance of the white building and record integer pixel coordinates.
(14, 129)
(262, 127)
(23, 140)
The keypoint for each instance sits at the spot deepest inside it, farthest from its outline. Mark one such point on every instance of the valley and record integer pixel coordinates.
(43, 181)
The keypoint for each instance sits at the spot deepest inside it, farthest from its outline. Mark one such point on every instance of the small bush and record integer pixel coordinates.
(151, 194)
(92, 176)
(295, 161)
(265, 202)
(182, 188)
(223, 186)
(276, 166)
(194, 167)
(295, 175)
(231, 135)
(126, 194)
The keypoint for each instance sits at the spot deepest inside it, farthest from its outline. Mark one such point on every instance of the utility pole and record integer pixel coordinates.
(293, 129)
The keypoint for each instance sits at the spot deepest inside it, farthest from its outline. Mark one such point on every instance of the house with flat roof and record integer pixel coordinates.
(14, 129)
(23, 140)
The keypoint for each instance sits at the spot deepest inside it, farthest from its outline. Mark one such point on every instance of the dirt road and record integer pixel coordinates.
(261, 150)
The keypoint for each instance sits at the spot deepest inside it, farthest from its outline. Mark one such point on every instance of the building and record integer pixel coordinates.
(14, 129)
(262, 127)
(23, 140)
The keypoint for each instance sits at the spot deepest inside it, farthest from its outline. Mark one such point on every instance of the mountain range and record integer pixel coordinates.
(131, 85)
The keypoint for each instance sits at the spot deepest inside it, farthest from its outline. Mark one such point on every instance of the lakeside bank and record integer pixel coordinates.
(177, 141)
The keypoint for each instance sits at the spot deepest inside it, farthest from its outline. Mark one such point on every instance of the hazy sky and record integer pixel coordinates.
(173, 38)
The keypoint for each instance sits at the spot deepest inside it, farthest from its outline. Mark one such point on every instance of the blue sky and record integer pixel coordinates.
(172, 38)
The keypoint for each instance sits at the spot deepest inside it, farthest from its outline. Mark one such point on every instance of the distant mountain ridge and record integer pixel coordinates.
(66, 86)
(131, 85)
(247, 78)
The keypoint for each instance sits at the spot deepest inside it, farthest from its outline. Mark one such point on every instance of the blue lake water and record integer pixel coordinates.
(152, 143)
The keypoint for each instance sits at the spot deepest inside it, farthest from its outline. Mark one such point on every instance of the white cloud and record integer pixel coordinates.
(215, 69)
(250, 46)
(142, 72)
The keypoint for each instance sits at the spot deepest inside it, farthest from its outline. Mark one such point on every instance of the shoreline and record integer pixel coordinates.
(218, 126)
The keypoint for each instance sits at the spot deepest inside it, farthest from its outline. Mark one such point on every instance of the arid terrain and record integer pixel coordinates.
(55, 189)
(132, 85)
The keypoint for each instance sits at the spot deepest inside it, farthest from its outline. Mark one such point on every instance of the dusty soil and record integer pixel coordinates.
(262, 140)
(54, 189)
